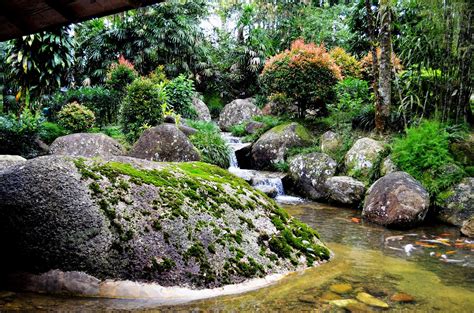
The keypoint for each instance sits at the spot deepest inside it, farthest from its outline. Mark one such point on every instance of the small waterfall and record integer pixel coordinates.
(257, 178)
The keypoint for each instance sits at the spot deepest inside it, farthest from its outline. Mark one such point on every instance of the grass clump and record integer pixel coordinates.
(424, 154)
(213, 148)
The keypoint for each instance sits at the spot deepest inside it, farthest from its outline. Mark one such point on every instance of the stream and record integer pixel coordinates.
(430, 267)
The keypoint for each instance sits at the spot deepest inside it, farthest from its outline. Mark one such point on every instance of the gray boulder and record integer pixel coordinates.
(309, 173)
(387, 166)
(345, 190)
(270, 191)
(271, 146)
(458, 204)
(176, 224)
(252, 127)
(396, 200)
(164, 143)
(10, 160)
(361, 157)
(330, 142)
(86, 145)
(201, 109)
(236, 112)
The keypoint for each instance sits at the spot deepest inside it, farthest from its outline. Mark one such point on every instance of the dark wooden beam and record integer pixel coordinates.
(62, 8)
(15, 18)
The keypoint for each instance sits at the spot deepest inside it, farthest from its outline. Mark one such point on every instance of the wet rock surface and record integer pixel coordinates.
(458, 205)
(86, 145)
(344, 190)
(189, 224)
(271, 147)
(164, 143)
(310, 172)
(396, 200)
(236, 112)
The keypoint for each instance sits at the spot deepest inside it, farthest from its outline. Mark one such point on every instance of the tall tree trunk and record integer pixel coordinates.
(373, 49)
(466, 64)
(382, 110)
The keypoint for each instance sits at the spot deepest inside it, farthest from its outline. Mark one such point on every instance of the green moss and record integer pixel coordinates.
(95, 188)
(247, 221)
(163, 265)
(157, 225)
(299, 130)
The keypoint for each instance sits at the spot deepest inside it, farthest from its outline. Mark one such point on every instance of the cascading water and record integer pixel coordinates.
(257, 178)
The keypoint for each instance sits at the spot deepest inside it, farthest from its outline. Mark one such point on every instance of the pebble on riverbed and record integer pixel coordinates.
(402, 297)
(341, 288)
(371, 300)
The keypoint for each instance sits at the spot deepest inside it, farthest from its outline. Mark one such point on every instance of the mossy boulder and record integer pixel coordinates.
(272, 146)
(237, 112)
(86, 145)
(457, 203)
(361, 157)
(463, 151)
(186, 224)
(396, 200)
(164, 143)
(310, 171)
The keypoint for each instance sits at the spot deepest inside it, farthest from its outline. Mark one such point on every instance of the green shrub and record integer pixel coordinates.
(142, 107)
(49, 131)
(214, 103)
(424, 154)
(76, 117)
(159, 75)
(17, 135)
(120, 75)
(349, 65)
(281, 167)
(102, 101)
(238, 130)
(180, 92)
(306, 73)
(213, 148)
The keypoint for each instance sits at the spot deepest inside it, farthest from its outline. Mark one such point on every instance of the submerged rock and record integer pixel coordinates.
(201, 109)
(458, 204)
(361, 157)
(371, 300)
(271, 147)
(10, 160)
(237, 112)
(345, 190)
(86, 145)
(341, 288)
(164, 143)
(396, 200)
(188, 224)
(343, 303)
(310, 172)
(402, 297)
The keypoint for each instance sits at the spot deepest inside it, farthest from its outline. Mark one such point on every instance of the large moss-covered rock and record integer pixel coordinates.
(271, 147)
(201, 109)
(396, 200)
(236, 112)
(164, 143)
(188, 224)
(361, 158)
(310, 171)
(458, 203)
(87, 145)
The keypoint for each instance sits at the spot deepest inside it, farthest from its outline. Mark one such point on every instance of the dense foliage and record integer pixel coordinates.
(180, 92)
(424, 153)
(76, 117)
(305, 73)
(121, 74)
(142, 107)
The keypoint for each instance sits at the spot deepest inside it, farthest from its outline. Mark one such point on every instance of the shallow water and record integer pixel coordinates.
(438, 273)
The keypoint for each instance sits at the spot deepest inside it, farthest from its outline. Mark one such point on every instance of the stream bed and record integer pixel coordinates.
(430, 267)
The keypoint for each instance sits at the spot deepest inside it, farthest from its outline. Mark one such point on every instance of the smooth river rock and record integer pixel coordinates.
(396, 200)
(201, 109)
(86, 145)
(164, 143)
(177, 224)
(345, 190)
